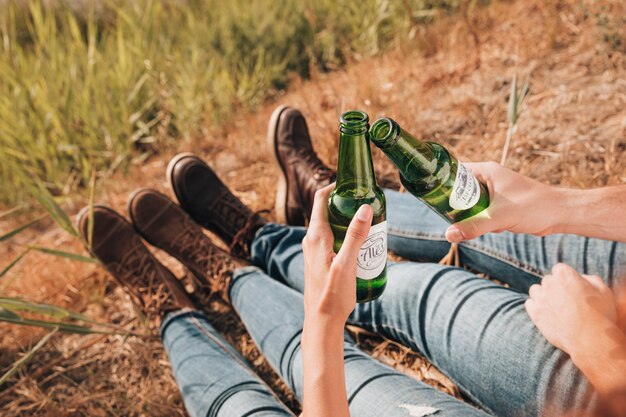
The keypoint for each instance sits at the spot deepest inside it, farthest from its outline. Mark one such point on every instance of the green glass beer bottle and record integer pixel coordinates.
(430, 173)
(356, 185)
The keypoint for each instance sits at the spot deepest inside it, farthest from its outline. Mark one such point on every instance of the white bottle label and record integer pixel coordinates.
(466, 190)
(373, 255)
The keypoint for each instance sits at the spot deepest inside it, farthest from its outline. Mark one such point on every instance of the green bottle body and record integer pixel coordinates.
(356, 186)
(431, 173)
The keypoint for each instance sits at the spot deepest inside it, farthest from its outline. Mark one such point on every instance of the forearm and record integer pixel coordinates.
(598, 213)
(324, 378)
(601, 356)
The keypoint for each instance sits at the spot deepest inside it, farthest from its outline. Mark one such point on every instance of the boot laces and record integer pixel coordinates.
(232, 214)
(194, 245)
(138, 275)
(320, 170)
(241, 244)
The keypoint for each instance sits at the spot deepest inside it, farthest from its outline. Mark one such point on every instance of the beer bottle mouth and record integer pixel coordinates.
(384, 132)
(354, 122)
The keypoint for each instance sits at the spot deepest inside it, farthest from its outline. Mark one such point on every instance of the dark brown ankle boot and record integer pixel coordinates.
(301, 171)
(151, 286)
(211, 204)
(165, 225)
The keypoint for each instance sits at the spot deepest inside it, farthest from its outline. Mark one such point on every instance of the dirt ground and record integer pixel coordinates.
(449, 84)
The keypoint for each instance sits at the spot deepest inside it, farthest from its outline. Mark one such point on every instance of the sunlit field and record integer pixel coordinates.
(96, 97)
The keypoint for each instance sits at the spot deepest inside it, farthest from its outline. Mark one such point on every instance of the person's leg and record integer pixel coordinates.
(213, 378)
(475, 331)
(274, 314)
(418, 234)
(479, 334)
(209, 372)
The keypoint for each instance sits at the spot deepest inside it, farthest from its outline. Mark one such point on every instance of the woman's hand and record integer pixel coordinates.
(568, 307)
(329, 298)
(330, 279)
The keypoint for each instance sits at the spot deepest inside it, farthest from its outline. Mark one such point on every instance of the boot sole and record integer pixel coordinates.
(85, 212)
(129, 202)
(170, 170)
(282, 190)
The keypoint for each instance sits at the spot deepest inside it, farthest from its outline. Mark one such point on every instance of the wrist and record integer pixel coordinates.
(558, 210)
(596, 336)
(575, 211)
(326, 317)
(602, 359)
(321, 326)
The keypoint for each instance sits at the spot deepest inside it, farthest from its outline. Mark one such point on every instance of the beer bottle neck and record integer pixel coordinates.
(415, 159)
(355, 169)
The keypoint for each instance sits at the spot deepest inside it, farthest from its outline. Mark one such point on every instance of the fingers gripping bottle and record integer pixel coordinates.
(356, 185)
(431, 173)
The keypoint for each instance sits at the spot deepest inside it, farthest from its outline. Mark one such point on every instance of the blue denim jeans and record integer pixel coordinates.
(475, 331)
(215, 380)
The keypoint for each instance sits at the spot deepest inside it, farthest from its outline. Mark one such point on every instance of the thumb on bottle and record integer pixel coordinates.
(355, 235)
(468, 229)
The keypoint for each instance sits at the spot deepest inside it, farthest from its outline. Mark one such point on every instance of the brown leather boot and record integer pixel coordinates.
(165, 225)
(151, 286)
(211, 204)
(301, 171)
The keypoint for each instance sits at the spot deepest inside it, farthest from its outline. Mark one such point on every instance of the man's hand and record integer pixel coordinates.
(579, 315)
(570, 309)
(329, 279)
(518, 204)
(522, 205)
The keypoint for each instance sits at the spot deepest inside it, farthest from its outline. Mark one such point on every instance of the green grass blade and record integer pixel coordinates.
(59, 313)
(92, 198)
(66, 327)
(523, 93)
(8, 212)
(41, 193)
(18, 229)
(8, 314)
(9, 306)
(62, 254)
(61, 326)
(26, 358)
(512, 108)
(13, 263)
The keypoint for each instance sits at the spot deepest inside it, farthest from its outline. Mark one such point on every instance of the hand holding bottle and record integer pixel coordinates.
(329, 298)
(522, 205)
(330, 284)
(518, 204)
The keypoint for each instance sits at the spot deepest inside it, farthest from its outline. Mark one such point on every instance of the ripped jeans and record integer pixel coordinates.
(475, 331)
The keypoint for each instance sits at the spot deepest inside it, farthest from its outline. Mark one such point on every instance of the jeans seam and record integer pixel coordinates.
(461, 386)
(382, 325)
(503, 258)
(414, 234)
(491, 253)
(220, 344)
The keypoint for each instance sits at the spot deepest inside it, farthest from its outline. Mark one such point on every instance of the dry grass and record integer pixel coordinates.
(453, 89)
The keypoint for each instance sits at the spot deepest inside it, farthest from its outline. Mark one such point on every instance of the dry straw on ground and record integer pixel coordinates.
(453, 89)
